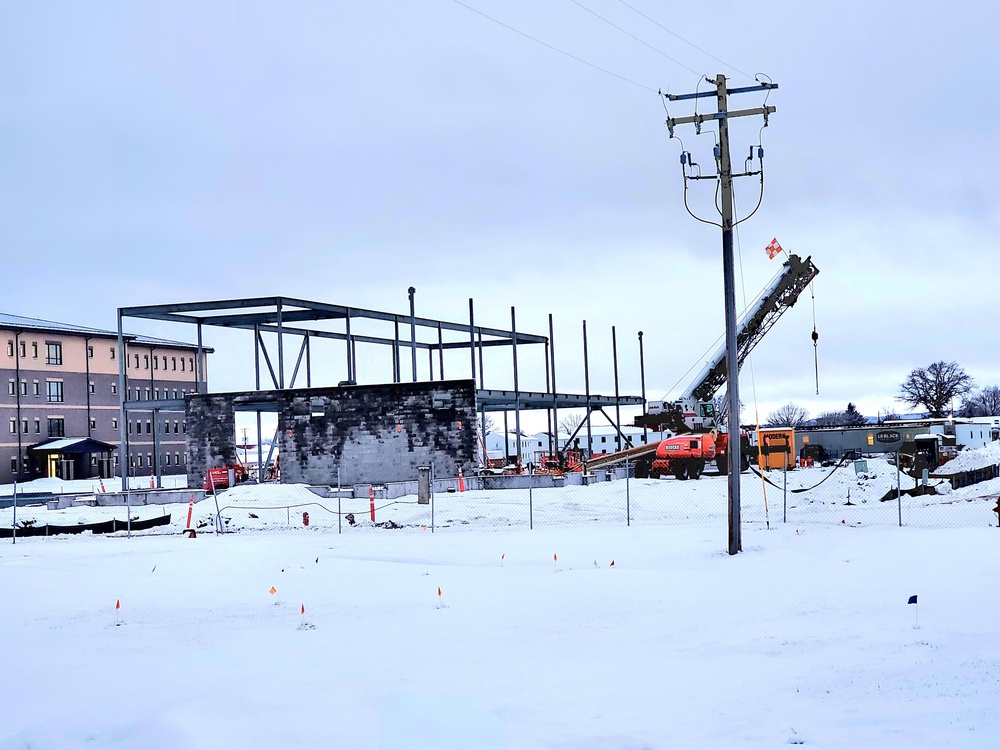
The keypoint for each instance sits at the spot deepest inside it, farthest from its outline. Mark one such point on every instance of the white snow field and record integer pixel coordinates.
(535, 641)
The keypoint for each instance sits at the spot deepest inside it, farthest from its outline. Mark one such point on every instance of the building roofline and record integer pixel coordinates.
(24, 323)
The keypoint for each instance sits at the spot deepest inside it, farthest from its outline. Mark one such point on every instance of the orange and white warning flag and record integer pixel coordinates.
(773, 248)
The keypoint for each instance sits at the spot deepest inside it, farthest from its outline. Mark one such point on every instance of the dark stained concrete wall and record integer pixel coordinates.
(211, 434)
(372, 434)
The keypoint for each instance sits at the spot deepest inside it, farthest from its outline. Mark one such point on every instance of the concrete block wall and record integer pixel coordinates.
(374, 434)
(211, 434)
(378, 433)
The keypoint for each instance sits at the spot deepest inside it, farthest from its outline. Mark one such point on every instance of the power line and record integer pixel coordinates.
(633, 36)
(555, 49)
(686, 41)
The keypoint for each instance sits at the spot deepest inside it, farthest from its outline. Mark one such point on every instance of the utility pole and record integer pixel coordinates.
(724, 175)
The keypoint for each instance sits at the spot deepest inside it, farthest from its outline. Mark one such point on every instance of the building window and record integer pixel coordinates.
(156, 394)
(10, 388)
(167, 457)
(156, 363)
(90, 352)
(137, 361)
(112, 354)
(147, 394)
(191, 364)
(177, 459)
(130, 427)
(175, 393)
(871, 440)
(92, 387)
(13, 464)
(34, 350)
(177, 426)
(139, 456)
(38, 426)
(114, 387)
(24, 426)
(57, 427)
(10, 348)
(173, 363)
(166, 426)
(149, 427)
(13, 426)
(145, 361)
(184, 426)
(53, 353)
(129, 396)
(182, 364)
(93, 424)
(24, 387)
(54, 391)
(164, 361)
(35, 388)
(149, 457)
(114, 423)
(24, 352)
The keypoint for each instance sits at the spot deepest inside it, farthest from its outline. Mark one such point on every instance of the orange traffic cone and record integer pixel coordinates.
(461, 480)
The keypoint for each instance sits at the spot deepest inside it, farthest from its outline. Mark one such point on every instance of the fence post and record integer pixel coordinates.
(628, 498)
(13, 527)
(899, 492)
(531, 503)
(784, 493)
(432, 498)
(339, 516)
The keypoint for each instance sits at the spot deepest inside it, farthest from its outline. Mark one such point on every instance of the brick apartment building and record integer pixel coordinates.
(61, 401)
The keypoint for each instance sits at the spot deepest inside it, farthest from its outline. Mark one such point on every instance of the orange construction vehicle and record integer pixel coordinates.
(698, 438)
(217, 478)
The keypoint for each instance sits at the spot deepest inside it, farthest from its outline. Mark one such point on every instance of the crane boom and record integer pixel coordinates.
(694, 411)
(781, 294)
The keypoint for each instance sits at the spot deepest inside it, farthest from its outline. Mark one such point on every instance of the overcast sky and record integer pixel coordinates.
(179, 151)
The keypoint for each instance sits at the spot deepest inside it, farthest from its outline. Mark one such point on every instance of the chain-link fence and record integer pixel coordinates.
(871, 491)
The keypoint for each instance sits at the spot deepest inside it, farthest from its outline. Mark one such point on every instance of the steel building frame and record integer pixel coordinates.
(290, 316)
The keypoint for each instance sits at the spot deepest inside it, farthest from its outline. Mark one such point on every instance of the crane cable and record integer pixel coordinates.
(815, 336)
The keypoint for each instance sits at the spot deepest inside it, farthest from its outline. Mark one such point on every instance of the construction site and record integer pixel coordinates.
(350, 432)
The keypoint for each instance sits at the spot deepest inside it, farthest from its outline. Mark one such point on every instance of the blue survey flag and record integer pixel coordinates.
(912, 599)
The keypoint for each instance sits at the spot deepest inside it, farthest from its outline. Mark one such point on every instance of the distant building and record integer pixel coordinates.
(61, 400)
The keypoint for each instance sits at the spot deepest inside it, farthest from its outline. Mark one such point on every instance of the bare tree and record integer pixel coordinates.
(490, 424)
(829, 419)
(570, 422)
(935, 387)
(789, 415)
(887, 412)
(721, 404)
(983, 403)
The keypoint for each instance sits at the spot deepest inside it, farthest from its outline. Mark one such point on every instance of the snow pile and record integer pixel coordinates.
(971, 459)
(73, 486)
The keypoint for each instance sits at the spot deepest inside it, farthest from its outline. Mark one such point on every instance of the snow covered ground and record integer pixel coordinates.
(816, 495)
(536, 640)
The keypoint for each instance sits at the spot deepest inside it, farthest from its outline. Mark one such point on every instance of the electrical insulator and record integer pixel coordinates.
(684, 158)
(718, 152)
(760, 152)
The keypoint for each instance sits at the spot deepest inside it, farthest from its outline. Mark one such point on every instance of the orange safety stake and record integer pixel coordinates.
(190, 511)
(461, 480)
(371, 502)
